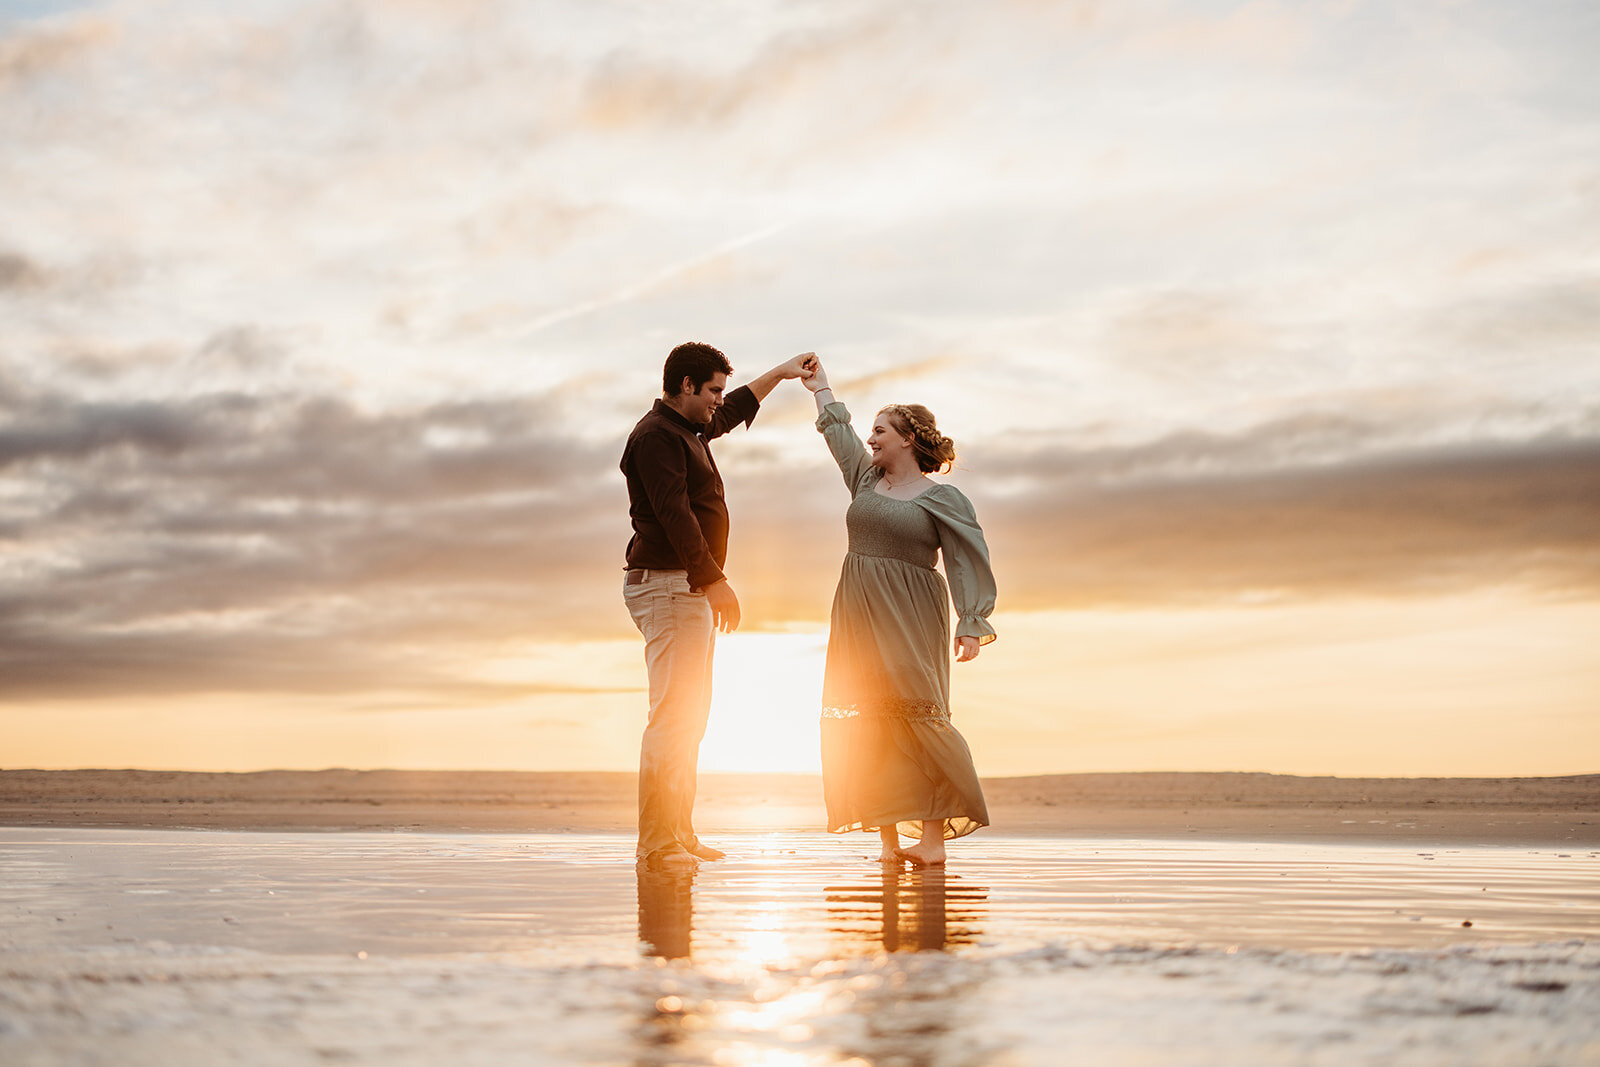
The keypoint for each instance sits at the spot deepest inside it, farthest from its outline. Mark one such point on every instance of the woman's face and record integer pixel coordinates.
(886, 443)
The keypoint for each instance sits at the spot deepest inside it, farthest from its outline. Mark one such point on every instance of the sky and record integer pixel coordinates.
(1268, 334)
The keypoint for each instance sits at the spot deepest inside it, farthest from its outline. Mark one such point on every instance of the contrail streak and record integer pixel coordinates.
(661, 277)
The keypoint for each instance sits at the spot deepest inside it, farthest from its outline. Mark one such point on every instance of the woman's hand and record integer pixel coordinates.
(816, 379)
(966, 649)
(798, 367)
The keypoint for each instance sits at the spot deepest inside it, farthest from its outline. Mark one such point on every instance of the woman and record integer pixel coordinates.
(891, 761)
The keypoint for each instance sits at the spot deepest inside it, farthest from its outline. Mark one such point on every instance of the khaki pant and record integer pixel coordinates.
(679, 639)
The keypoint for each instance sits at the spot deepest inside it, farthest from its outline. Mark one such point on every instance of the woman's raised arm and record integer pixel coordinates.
(833, 422)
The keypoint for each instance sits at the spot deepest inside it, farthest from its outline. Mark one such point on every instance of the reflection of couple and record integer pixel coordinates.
(892, 762)
(916, 911)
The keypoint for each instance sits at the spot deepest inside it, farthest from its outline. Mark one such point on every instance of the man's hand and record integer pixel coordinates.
(725, 607)
(966, 649)
(798, 367)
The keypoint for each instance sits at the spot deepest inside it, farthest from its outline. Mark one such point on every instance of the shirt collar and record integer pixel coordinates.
(671, 414)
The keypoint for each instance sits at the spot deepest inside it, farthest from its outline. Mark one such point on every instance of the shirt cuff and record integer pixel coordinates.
(744, 404)
(703, 577)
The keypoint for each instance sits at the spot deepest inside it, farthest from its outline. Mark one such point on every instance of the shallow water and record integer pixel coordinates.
(178, 946)
(577, 898)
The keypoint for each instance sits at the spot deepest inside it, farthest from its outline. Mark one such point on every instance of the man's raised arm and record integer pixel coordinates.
(797, 367)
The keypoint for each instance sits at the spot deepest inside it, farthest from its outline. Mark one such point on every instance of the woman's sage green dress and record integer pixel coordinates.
(889, 754)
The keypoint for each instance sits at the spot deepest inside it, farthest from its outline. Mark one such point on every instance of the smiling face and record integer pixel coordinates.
(698, 407)
(888, 445)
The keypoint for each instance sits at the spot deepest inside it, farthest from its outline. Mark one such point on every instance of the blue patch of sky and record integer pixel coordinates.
(14, 11)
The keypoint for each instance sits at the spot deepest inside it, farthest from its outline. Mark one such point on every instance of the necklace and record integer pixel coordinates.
(901, 485)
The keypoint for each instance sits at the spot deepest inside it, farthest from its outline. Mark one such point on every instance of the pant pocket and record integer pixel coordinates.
(642, 603)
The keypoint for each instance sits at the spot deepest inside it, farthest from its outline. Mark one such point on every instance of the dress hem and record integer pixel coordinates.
(954, 826)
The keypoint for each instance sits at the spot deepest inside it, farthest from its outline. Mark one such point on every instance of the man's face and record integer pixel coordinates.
(699, 407)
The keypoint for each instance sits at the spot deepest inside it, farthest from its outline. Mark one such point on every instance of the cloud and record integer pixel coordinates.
(1190, 332)
(1541, 317)
(628, 87)
(268, 421)
(30, 52)
(292, 539)
(299, 541)
(1405, 523)
(909, 371)
(85, 430)
(1313, 507)
(19, 272)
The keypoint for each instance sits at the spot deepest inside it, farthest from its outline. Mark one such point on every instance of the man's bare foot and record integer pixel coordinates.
(706, 852)
(924, 853)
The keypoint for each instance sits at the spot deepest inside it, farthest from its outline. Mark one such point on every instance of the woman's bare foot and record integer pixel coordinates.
(891, 845)
(924, 853)
(929, 852)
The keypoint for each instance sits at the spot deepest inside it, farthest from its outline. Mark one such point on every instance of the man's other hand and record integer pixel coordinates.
(724, 606)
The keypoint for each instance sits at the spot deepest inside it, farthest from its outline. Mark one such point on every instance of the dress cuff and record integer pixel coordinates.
(976, 626)
(833, 414)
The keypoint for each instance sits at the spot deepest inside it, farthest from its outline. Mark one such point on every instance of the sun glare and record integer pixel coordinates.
(766, 694)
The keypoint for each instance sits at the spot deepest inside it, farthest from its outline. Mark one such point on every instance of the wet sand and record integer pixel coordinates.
(161, 946)
(1258, 807)
(411, 918)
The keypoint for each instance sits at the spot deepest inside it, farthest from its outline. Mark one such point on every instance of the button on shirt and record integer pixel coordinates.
(680, 520)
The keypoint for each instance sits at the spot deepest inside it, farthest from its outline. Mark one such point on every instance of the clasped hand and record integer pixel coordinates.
(814, 377)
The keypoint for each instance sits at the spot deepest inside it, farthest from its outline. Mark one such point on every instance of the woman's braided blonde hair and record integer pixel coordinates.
(935, 452)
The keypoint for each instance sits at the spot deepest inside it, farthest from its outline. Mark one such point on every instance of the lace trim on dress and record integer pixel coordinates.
(912, 710)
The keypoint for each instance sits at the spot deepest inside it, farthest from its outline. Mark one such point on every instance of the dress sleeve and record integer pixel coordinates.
(847, 449)
(966, 560)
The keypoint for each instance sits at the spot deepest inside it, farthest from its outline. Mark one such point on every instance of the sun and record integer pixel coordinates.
(766, 695)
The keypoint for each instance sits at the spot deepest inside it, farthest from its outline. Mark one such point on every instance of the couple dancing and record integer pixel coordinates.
(891, 760)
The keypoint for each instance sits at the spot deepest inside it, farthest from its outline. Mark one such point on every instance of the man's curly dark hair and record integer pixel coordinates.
(696, 361)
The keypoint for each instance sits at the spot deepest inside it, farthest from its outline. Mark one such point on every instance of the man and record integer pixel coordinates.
(675, 589)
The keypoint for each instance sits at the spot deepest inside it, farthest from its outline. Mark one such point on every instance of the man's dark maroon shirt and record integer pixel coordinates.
(680, 520)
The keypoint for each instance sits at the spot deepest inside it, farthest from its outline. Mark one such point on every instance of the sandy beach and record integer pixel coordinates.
(1550, 811)
(388, 917)
(201, 947)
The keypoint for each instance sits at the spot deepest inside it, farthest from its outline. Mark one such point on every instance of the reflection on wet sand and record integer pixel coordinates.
(666, 912)
(917, 910)
(778, 980)
(914, 911)
(798, 951)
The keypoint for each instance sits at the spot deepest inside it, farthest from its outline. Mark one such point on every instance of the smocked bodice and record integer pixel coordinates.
(938, 524)
(897, 529)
